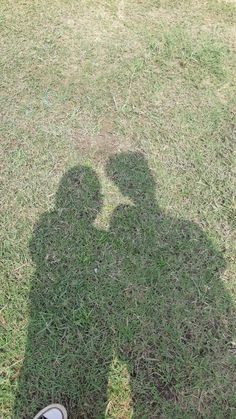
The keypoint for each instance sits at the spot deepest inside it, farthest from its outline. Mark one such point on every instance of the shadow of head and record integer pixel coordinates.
(79, 193)
(130, 172)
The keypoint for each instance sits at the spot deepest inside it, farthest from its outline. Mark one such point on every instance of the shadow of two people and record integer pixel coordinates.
(148, 290)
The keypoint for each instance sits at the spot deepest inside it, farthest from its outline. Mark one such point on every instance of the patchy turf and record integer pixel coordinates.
(117, 238)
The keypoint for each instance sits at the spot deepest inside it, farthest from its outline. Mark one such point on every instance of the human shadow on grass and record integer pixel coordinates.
(148, 290)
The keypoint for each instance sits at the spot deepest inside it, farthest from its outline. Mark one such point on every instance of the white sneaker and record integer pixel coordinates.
(53, 411)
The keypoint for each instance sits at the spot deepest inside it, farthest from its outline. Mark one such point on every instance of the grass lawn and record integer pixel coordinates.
(117, 237)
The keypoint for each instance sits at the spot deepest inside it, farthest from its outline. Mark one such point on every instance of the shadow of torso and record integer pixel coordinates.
(174, 311)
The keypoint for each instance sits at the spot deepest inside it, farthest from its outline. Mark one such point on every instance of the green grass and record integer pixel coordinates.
(117, 218)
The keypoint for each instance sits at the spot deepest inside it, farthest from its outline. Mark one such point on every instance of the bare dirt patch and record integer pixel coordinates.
(98, 147)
